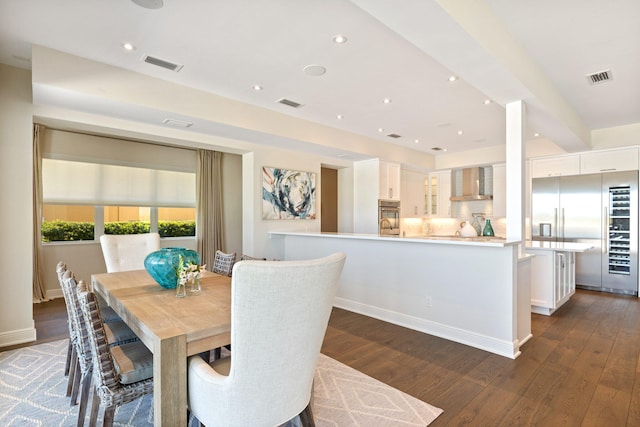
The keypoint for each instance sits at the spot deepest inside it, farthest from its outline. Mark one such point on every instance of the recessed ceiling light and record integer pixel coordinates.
(128, 46)
(487, 101)
(149, 4)
(314, 70)
(417, 141)
(386, 101)
(380, 130)
(536, 134)
(257, 87)
(460, 132)
(339, 39)
(339, 116)
(453, 78)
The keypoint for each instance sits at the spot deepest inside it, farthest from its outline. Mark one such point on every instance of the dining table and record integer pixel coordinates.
(171, 328)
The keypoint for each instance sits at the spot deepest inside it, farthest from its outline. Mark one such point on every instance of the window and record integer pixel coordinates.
(94, 185)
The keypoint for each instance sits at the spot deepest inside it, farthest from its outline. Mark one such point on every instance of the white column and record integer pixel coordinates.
(515, 118)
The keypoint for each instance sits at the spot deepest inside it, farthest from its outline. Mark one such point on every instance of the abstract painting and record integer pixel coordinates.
(288, 194)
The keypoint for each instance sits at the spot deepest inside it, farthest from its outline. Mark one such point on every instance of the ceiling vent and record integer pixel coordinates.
(162, 63)
(600, 77)
(393, 135)
(177, 123)
(290, 103)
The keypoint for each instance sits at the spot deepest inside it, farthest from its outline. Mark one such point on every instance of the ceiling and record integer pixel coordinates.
(499, 50)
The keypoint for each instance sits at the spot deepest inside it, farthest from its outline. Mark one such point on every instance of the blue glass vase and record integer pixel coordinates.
(163, 264)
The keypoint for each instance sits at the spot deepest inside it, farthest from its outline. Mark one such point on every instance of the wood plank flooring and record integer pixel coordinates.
(581, 368)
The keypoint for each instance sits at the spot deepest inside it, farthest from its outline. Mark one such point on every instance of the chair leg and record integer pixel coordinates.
(84, 398)
(95, 407)
(77, 376)
(306, 417)
(67, 365)
(107, 420)
(72, 371)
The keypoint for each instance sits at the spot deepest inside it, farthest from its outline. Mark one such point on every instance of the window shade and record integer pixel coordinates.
(68, 182)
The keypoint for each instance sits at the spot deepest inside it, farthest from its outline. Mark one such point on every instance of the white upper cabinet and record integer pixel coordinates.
(618, 159)
(623, 159)
(438, 189)
(389, 181)
(413, 194)
(555, 166)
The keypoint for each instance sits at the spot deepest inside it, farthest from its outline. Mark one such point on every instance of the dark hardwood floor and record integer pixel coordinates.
(580, 368)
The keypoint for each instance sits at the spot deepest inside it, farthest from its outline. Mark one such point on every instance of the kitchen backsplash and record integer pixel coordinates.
(445, 226)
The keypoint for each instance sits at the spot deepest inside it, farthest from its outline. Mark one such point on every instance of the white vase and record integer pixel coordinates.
(467, 230)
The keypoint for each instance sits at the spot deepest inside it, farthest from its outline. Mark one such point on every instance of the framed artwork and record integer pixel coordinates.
(288, 194)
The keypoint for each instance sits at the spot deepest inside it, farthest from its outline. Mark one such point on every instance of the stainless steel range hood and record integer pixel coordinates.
(472, 184)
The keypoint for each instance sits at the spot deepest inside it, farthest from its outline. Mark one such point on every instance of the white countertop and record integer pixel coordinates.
(558, 246)
(448, 240)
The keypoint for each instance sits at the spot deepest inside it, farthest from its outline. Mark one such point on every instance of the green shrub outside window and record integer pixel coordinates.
(67, 231)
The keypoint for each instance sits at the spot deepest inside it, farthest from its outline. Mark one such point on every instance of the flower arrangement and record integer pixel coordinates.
(189, 273)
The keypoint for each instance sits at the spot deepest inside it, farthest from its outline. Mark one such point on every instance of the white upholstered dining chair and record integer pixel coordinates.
(128, 251)
(283, 302)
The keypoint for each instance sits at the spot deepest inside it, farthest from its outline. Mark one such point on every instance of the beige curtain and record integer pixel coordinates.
(39, 291)
(209, 205)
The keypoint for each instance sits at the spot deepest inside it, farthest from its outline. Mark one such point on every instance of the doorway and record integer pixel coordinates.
(329, 200)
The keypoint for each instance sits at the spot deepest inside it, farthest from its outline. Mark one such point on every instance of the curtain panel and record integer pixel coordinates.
(209, 219)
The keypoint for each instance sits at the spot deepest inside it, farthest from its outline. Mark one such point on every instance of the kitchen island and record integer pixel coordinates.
(553, 273)
(472, 291)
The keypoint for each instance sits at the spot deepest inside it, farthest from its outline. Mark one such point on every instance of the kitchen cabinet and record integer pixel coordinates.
(623, 159)
(413, 203)
(438, 190)
(555, 166)
(553, 279)
(389, 181)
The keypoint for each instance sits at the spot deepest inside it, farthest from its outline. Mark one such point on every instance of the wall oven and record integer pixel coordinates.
(388, 217)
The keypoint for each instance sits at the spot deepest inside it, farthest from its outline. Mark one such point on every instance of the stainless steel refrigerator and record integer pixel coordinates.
(600, 209)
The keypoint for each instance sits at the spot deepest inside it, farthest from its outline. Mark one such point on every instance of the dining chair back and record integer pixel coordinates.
(250, 258)
(128, 251)
(70, 363)
(122, 373)
(223, 263)
(273, 303)
(116, 332)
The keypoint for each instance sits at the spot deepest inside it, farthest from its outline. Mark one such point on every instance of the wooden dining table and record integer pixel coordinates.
(172, 328)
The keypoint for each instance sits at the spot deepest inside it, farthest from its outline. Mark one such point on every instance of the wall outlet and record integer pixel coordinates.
(428, 301)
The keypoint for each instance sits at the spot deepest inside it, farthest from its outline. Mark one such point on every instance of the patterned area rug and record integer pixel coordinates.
(32, 393)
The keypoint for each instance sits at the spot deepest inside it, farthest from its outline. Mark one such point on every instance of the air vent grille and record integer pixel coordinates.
(162, 63)
(600, 77)
(393, 135)
(289, 103)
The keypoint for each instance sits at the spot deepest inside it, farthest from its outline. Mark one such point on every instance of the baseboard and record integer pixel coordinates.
(54, 293)
(17, 337)
(503, 348)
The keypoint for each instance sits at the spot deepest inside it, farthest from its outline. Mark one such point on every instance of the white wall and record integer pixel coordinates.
(16, 192)
(256, 241)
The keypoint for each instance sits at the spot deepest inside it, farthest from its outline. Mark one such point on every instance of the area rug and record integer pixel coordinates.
(32, 393)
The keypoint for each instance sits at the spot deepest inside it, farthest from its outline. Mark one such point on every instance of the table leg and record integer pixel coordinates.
(170, 380)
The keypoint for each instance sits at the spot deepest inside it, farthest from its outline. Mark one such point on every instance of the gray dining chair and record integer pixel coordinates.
(284, 302)
(116, 333)
(121, 373)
